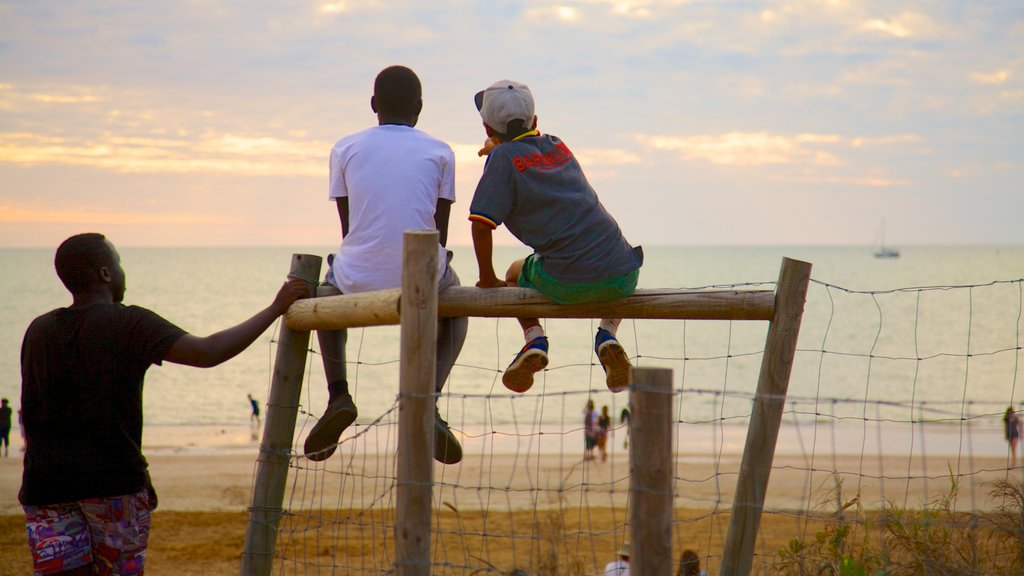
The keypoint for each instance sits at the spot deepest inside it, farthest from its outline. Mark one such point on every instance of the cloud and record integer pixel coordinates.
(747, 148)
(905, 25)
(204, 153)
(995, 78)
(12, 213)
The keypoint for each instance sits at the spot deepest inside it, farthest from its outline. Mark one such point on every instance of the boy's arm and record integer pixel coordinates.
(226, 344)
(441, 213)
(484, 248)
(343, 214)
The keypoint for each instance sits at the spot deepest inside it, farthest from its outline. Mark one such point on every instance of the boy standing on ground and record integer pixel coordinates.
(385, 180)
(85, 487)
(533, 184)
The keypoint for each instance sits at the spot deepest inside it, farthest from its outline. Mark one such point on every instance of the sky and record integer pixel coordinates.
(803, 122)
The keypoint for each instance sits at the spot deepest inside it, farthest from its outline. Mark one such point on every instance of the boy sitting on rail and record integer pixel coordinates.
(533, 184)
(385, 180)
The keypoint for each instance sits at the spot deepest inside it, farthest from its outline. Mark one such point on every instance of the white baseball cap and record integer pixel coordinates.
(504, 101)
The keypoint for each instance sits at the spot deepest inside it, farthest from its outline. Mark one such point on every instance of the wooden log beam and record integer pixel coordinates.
(381, 307)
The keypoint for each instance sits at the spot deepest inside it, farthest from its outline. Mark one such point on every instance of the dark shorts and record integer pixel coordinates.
(533, 276)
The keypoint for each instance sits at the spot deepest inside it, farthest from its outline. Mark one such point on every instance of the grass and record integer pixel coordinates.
(935, 540)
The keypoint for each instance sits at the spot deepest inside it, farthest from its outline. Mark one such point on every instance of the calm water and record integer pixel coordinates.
(871, 339)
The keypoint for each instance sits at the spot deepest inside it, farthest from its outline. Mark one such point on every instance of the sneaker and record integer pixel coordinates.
(617, 369)
(323, 438)
(447, 449)
(518, 377)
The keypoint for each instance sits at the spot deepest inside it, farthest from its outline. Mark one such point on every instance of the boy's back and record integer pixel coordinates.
(392, 176)
(536, 188)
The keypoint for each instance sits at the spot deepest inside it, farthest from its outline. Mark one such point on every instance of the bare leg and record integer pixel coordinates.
(322, 440)
(332, 351)
(533, 358)
(512, 279)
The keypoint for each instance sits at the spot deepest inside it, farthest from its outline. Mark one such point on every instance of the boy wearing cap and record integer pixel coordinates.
(385, 180)
(533, 184)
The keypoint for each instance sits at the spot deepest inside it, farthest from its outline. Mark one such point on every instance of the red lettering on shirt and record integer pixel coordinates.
(553, 159)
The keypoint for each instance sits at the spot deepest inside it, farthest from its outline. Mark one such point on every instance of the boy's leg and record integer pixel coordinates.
(59, 539)
(618, 371)
(119, 529)
(533, 357)
(451, 335)
(322, 440)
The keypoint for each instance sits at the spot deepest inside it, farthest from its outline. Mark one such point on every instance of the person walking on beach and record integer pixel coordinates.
(624, 419)
(385, 180)
(1013, 428)
(533, 184)
(5, 425)
(254, 418)
(604, 422)
(619, 567)
(589, 431)
(85, 486)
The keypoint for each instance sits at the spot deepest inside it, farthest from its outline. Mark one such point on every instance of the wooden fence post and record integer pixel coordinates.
(279, 428)
(416, 403)
(766, 417)
(650, 469)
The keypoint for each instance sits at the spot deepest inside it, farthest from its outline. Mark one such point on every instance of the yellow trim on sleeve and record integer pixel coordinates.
(483, 219)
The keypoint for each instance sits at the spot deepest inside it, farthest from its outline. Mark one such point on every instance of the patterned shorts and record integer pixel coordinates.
(109, 533)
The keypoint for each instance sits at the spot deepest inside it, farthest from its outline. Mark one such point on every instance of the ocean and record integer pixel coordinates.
(868, 345)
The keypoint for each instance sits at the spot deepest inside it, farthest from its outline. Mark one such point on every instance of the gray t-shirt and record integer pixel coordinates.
(536, 188)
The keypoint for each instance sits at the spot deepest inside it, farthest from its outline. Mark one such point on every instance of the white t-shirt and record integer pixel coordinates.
(393, 176)
(617, 568)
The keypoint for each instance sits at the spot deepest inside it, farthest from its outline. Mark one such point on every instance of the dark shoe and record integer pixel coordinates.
(447, 449)
(322, 440)
(518, 377)
(618, 371)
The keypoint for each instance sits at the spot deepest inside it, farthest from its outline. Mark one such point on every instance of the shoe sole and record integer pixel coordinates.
(519, 375)
(618, 370)
(323, 438)
(447, 449)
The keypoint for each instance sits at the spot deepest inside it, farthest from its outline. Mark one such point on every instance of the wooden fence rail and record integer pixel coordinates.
(417, 305)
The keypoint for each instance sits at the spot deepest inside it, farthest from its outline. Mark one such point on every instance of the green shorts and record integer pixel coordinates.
(533, 276)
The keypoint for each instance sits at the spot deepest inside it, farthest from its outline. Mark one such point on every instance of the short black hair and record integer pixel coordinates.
(79, 257)
(515, 127)
(397, 92)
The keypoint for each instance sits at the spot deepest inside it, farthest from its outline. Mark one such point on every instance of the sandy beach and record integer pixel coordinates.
(204, 477)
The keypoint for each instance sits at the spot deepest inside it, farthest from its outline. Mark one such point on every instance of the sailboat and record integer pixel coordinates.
(883, 251)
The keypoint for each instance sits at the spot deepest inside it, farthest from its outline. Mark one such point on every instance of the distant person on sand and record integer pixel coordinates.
(5, 425)
(619, 567)
(604, 422)
(689, 564)
(255, 417)
(624, 419)
(85, 488)
(385, 180)
(1012, 430)
(589, 431)
(533, 185)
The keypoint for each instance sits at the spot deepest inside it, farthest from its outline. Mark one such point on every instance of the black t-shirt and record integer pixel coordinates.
(82, 371)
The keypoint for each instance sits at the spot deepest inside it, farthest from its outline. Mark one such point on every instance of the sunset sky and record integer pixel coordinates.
(173, 123)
